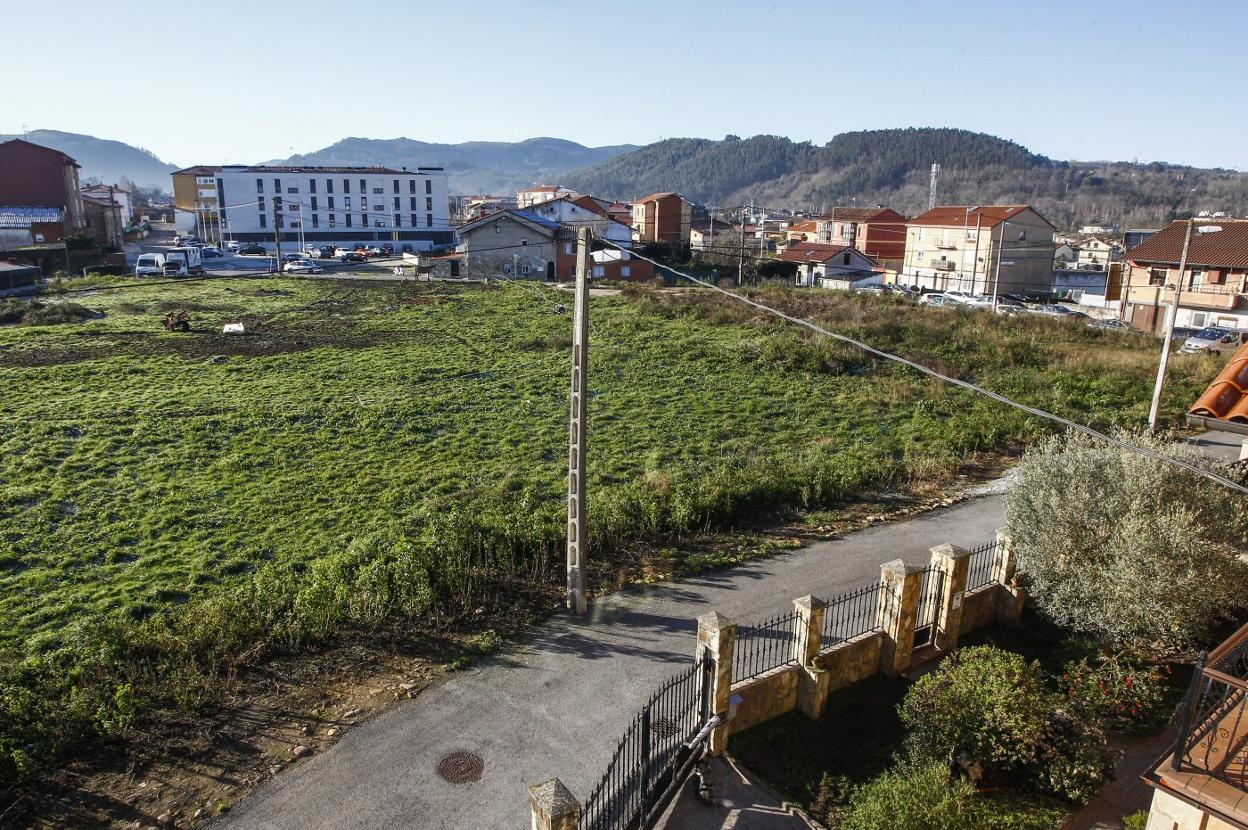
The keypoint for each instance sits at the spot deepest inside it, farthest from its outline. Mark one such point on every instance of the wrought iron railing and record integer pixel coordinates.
(984, 566)
(1213, 730)
(763, 647)
(647, 753)
(851, 615)
(931, 594)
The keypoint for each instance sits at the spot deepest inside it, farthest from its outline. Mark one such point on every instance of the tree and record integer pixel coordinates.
(1138, 552)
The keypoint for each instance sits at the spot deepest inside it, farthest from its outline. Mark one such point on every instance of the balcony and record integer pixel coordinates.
(943, 264)
(1214, 297)
(1208, 766)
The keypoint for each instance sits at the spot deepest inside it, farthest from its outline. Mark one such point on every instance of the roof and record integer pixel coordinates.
(654, 197)
(24, 217)
(105, 188)
(1227, 397)
(522, 215)
(855, 214)
(103, 201)
(809, 226)
(960, 216)
(211, 170)
(1227, 248)
(811, 252)
(64, 157)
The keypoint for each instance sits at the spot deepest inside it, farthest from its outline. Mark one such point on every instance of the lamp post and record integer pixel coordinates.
(1172, 313)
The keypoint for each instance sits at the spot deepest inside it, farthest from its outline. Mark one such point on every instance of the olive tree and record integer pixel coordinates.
(1137, 551)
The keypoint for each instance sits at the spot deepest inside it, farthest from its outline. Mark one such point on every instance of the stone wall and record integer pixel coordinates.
(764, 698)
(979, 607)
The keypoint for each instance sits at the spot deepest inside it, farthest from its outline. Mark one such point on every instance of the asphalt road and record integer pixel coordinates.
(234, 265)
(555, 706)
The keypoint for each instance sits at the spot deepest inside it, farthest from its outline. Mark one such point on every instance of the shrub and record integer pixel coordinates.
(1125, 696)
(912, 797)
(1135, 551)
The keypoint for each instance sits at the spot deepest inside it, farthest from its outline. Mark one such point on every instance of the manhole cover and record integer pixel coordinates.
(663, 726)
(461, 767)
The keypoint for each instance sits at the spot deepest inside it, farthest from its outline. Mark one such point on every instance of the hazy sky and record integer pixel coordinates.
(247, 81)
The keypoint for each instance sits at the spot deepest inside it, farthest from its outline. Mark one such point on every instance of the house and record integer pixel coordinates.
(663, 217)
(614, 264)
(104, 221)
(114, 193)
(1065, 255)
(1097, 252)
(518, 244)
(40, 195)
(342, 206)
(1001, 248)
(878, 232)
(1214, 285)
(1201, 783)
(704, 236)
(806, 230)
(474, 207)
(830, 266)
(541, 193)
(585, 211)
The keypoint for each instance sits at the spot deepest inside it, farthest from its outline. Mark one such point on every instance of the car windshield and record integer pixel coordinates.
(1211, 333)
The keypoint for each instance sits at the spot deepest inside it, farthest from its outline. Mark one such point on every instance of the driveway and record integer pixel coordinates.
(555, 706)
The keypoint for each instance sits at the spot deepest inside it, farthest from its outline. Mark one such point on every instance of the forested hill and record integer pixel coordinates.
(892, 167)
(104, 160)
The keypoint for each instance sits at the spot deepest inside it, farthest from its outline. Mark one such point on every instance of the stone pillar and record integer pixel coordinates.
(1011, 597)
(953, 563)
(899, 608)
(716, 637)
(812, 680)
(553, 806)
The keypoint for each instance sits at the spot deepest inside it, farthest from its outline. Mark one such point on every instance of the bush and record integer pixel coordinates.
(1138, 552)
(918, 797)
(1125, 696)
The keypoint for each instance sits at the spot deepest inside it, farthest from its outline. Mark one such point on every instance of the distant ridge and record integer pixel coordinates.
(103, 159)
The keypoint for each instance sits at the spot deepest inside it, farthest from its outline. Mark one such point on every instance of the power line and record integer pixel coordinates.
(1126, 445)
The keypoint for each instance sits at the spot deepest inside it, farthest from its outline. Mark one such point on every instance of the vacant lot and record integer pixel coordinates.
(139, 468)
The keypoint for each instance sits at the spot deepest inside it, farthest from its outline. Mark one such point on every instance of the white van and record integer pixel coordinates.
(149, 265)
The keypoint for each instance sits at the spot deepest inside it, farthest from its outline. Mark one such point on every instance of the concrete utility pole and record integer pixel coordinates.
(1172, 312)
(996, 279)
(576, 429)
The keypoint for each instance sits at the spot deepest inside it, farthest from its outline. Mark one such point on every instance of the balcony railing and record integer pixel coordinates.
(1222, 297)
(943, 264)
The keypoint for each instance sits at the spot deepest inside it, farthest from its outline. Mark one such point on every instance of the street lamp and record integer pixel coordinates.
(1172, 313)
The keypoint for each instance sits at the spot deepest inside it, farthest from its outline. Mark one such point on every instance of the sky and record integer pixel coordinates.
(243, 82)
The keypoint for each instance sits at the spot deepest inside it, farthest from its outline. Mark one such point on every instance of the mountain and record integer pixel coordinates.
(103, 159)
(892, 167)
(496, 167)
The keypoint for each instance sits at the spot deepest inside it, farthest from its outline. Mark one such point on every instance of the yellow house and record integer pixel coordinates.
(980, 250)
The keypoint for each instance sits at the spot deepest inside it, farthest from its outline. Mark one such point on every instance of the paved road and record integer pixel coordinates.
(556, 706)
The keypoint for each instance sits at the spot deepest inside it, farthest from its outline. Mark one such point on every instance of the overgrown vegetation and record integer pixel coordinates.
(175, 507)
(23, 312)
(1143, 554)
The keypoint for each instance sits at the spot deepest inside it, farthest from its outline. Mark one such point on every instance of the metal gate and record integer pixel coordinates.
(931, 592)
(654, 756)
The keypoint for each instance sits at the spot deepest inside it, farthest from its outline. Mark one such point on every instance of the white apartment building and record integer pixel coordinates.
(315, 205)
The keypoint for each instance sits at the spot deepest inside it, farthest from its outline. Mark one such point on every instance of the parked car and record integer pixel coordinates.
(233, 246)
(387, 249)
(1110, 325)
(292, 257)
(323, 252)
(351, 256)
(1181, 333)
(149, 265)
(302, 266)
(1058, 310)
(254, 250)
(209, 251)
(1215, 340)
(939, 300)
(961, 296)
(373, 251)
(1009, 307)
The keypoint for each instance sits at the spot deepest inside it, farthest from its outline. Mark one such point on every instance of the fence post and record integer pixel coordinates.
(953, 563)
(1010, 597)
(812, 680)
(716, 637)
(553, 806)
(899, 608)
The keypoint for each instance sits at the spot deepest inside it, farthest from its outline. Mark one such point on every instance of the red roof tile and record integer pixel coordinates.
(1227, 248)
(953, 215)
(654, 197)
(857, 214)
(1227, 397)
(811, 252)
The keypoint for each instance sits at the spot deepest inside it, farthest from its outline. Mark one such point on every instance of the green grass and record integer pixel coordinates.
(139, 468)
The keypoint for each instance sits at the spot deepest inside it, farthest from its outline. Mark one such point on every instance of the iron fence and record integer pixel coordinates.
(851, 615)
(931, 593)
(763, 647)
(648, 754)
(985, 561)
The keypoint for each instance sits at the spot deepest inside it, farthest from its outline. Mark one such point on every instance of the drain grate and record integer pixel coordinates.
(461, 767)
(665, 727)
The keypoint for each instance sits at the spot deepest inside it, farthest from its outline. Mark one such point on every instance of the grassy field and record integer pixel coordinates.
(140, 468)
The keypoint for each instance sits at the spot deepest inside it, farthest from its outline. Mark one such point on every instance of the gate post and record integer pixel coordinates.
(1010, 597)
(900, 585)
(553, 806)
(953, 563)
(812, 680)
(717, 636)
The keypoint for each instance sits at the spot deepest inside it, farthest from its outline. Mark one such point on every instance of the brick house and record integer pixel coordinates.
(878, 232)
(663, 217)
(40, 186)
(1214, 284)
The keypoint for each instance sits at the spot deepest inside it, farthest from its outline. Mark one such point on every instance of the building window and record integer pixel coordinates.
(413, 203)
(396, 185)
(379, 207)
(524, 269)
(415, 220)
(428, 185)
(277, 185)
(264, 221)
(428, 203)
(364, 220)
(329, 202)
(598, 271)
(626, 271)
(568, 248)
(333, 221)
(363, 186)
(346, 202)
(428, 220)
(316, 220)
(311, 185)
(292, 190)
(348, 220)
(1157, 276)
(259, 185)
(313, 205)
(845, 258)
(346, 185)
(411, 185)
(260, 202)
(329, 185)
(1199, 318)
(397, 203)
(377, 190)
(398, 220)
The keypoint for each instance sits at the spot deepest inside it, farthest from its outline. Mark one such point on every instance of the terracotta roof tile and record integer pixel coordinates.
(811, 252)
(1227, 248)
(656, 196)
(1227, 397)
(855, 214)
(950, 215)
